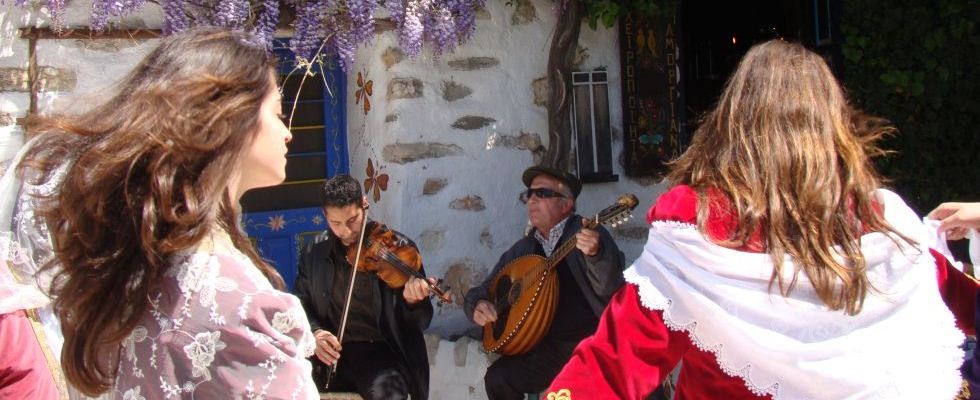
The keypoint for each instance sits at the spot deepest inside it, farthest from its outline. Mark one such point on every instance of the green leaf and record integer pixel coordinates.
(609, 19)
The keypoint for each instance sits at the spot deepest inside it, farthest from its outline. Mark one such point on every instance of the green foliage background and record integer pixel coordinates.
(915, 63)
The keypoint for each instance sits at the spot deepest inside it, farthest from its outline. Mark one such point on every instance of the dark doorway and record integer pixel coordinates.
(716, 34)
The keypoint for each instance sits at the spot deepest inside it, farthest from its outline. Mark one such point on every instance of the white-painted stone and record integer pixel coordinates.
(503, 92)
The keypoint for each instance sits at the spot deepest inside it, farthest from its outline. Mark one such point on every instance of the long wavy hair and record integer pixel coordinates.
(793, 159)
(148, 177)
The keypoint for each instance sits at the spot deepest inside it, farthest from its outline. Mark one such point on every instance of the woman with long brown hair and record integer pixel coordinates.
(158, 291)
(777, 265)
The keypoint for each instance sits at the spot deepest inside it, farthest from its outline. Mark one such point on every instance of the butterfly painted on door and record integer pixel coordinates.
(364, 91)
(375, 182)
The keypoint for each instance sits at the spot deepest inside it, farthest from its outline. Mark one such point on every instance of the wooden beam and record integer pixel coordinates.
(85, 33)
(32, 74)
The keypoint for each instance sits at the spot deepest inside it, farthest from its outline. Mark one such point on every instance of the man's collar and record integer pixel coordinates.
(550, 241)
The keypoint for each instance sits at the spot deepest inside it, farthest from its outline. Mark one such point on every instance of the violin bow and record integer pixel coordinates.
(350, 293)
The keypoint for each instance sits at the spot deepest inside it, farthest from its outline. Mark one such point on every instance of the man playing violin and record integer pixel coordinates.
(587, 280)
(383, 353)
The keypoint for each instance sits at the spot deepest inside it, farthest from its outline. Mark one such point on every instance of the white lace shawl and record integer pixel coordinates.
(25, 245)
(903, 344)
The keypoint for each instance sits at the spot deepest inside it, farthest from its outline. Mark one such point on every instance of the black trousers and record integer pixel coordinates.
(510, 377)
(371, 369)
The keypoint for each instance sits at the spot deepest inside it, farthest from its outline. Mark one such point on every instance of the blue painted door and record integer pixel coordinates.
(282, 219)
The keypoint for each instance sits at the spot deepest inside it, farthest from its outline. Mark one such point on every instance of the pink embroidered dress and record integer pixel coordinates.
(217, 329)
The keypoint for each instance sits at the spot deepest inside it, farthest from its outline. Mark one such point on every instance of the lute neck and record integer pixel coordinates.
(562, 251)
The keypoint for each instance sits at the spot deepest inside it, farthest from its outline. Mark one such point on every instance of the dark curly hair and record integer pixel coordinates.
(341, 191)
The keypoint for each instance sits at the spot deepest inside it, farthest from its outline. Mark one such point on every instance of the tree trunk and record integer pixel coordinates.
(564, 42)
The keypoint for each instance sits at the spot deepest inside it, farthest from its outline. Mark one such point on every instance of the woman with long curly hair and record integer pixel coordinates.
(777, 266)
(158, 291)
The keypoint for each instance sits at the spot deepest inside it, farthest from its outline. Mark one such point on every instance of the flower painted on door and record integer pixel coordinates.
(375, 182)
(277, 223)
(365, 88)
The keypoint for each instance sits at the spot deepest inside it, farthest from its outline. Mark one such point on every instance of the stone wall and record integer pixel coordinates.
(455, 132)
(73, 73)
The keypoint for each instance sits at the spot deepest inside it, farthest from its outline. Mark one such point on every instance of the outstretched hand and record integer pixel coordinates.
(956, 219)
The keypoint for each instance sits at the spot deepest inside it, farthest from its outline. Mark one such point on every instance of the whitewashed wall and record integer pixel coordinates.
(74, 73)
(453, 189)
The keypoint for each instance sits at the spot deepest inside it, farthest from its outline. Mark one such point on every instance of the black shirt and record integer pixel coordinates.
(574, 318)
(365, 308)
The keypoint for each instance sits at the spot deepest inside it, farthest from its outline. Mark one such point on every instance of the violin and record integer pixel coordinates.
(394, 259)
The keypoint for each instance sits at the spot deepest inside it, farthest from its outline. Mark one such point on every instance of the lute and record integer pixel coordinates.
(525, 291)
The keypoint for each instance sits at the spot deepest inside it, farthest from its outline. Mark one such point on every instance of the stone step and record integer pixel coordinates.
(340, 396)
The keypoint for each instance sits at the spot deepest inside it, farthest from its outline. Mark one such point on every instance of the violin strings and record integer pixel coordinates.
(397, 262)
(393, 259)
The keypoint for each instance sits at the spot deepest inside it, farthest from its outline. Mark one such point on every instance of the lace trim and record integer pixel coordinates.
(652, 299)
(664, 304)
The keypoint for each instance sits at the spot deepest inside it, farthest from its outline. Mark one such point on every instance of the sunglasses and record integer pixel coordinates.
(541, 193)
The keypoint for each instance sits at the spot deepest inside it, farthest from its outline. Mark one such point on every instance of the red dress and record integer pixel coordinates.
(24, 369)
(633, 350)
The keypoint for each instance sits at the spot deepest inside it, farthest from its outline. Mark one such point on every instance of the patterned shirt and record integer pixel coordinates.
(217, 329)
(551, 241)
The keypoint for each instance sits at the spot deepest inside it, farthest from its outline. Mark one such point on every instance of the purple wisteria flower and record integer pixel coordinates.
(465, 13)
(174, 17)
(361, 13)
(344, 44)
(100, 14)
(308, 36)
(57, 10)
(230, 13)
(266, 26)
(334, 27)
(103, 9)
(412, 30)
(441, 30)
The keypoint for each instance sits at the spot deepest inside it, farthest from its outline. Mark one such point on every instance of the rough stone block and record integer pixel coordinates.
(392, 56)
(460, 348)
(382, 25)
(403, 153)
(462, 276)
(50, 79)
(432, 346)
(524, 13)
(452, 91)
(106, 45)
(581, 54)
(404, 88)
(431, 240)
(473, 63)
(472, 122)
(524, 141)
(486, 238)
(541, 89)
(483, 13)
(468, 203)
(433, 186)
(631, 232)
(6, 119)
